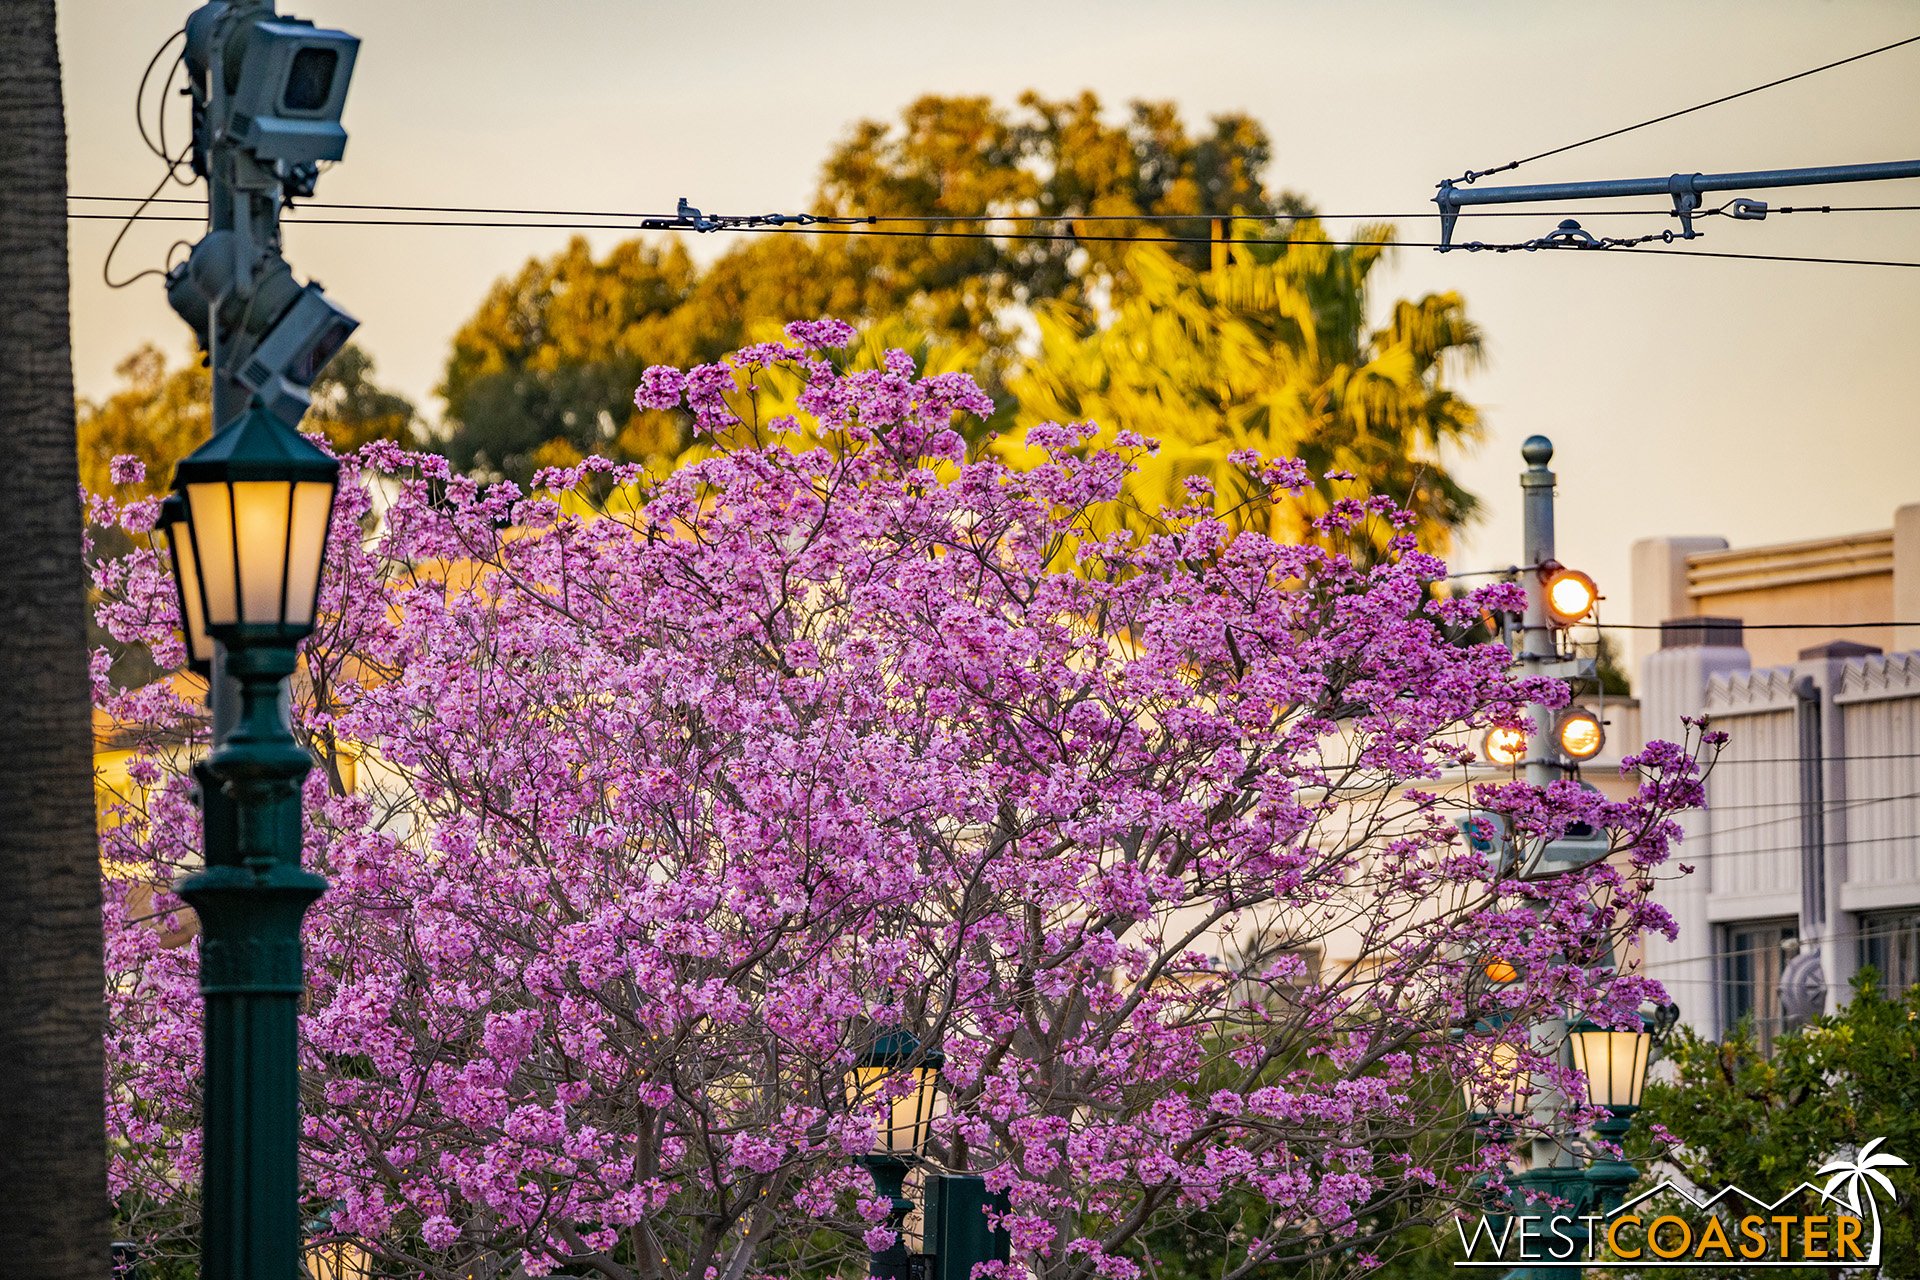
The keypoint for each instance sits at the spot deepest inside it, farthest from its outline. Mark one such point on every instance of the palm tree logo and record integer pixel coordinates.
(1863, 1170)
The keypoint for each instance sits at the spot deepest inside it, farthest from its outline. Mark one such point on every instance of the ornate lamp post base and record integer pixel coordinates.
(250, 900)
(889, 1179)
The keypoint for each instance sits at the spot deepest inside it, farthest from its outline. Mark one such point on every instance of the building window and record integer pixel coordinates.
(1890, 942)
(1752, 953)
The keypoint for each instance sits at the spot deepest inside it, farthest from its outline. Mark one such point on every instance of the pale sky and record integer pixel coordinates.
(1760, 401)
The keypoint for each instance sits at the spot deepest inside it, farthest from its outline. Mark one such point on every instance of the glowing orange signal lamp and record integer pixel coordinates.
(1571, 595)
(1579, 733)
(1505, 745)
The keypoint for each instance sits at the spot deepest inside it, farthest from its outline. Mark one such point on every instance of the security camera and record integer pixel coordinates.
(279, 372)
(286, 101)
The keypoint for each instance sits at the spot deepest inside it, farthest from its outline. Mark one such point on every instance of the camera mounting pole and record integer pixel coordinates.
(267, 96)
(208, 29)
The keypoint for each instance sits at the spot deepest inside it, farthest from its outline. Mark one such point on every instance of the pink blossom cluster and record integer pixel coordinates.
(645, 813)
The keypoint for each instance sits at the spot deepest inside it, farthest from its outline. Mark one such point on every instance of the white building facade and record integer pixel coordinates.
(1806, 860)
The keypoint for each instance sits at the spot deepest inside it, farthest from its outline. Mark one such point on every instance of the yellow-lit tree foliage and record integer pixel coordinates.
(1271, 351)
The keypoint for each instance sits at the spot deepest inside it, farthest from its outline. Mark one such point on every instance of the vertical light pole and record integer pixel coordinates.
(1557, 597)
(258, 500)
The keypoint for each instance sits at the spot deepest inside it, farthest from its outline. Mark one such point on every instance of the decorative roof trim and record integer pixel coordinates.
(1890, 675)
(1713, 573)
(1751, 692)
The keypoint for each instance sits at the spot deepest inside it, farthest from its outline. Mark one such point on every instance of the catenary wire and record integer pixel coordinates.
(1777, 257)
(1757, 806)
(1838, 758)
(1071, 238)
(805, 230)
(1704, 854)
(1858, 935)
(1473, 175)
(1746, 626)
(1843, 806)
(1021, 217)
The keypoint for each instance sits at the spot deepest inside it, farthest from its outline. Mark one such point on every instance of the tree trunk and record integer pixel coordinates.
(53, 1188)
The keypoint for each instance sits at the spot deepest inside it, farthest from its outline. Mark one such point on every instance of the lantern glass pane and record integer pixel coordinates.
(1590, 1064)
(903, 1132)
(261, 514)
(339, 1260)
(186, 567)
(212, 508)
(307, 548)
(913, 1112)
(1501, 1088)
(863, 1087)
(1615, 1064)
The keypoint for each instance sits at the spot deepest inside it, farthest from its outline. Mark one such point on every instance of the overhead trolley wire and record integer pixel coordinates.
(803, 230)
(1689, 623)
(1702, 854)
(1839, 757)
(1876, 930)
(1473, 175)
(1842, 806)
(1031, 236)
(851, 219)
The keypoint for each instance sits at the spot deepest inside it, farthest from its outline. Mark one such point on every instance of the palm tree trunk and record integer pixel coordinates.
(53, 1189)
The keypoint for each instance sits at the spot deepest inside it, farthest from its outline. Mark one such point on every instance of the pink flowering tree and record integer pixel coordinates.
(649, 801)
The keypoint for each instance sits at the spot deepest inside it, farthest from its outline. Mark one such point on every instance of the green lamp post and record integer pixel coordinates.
(876, 1078)
(1614, 1064)
(248, 536)
(1498, 1096)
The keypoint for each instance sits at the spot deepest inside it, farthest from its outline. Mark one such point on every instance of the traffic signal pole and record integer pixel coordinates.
(1553, 1170)
(1539, 655)
(1537, 647)
(216, 163)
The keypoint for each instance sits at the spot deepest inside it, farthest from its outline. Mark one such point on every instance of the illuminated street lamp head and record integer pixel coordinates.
(1499, 972)
(1579, 733)
(338, 1259)
(1496, 1086)
(259, 499)
(1570, 593)
(878, 1073)
(1614, 1063)
(172, 526)
(332, 1256)
(1505, 745)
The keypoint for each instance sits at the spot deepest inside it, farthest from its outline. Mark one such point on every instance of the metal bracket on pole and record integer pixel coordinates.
(1560, 668)
(1448, 200)
(1684, 189)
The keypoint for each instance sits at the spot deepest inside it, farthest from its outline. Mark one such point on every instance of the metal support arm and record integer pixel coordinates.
(1685, 189)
